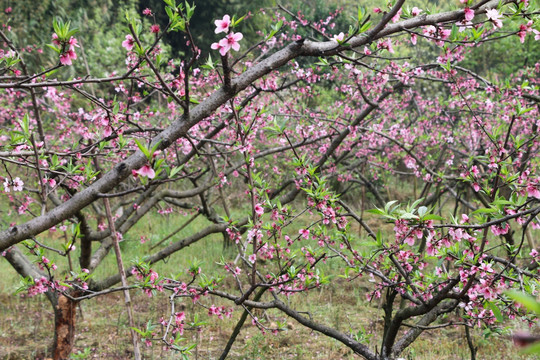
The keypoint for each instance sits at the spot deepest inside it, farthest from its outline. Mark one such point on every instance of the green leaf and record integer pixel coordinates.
(169, 12)
(365, 27)
(361, 12)
(143, 148)
(171, 3)
(53, 47)
(175, 171)
(496, 311)
(408, 216)
(533, 349)
(25, 125)
(322, 62)
(525, 299)
(71, 33)
(56, 26)
(189, 10)
(238, 21)
(142, 333)
(432, 217)
(154, 148)
(416, 203)
(388, 204)
(484, 211)
(209, 63)
(379, 238)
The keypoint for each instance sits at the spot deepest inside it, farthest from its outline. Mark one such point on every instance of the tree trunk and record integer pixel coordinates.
(64, 327)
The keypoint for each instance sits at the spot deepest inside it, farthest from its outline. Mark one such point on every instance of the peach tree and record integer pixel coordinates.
(260, 135)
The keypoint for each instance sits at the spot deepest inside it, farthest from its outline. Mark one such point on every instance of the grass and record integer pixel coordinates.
(102, 329)
(26, 323)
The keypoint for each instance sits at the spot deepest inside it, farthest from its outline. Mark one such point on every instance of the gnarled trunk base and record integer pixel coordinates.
(64, 327)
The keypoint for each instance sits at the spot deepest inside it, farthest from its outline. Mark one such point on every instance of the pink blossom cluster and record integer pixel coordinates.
(16, 184)
(230, 41)
(524, 29)
(495, 17)
(45, 263)
(220, 312)
(40, 286)
(150, 280)
(128, 43)
(68, 49)
(436, 34)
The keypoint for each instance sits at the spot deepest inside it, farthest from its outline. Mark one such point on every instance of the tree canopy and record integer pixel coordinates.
(295, 135)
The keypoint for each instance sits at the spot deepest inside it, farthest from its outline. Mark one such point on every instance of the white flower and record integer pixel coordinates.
(17, 184)
(339, 37)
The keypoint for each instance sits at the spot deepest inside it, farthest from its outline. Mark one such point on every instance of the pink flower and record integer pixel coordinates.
(445, 33)
(429, 30)
(523, 30)
(396, 17)
(469, 14)
(409, 240)
(217, 46)
(414, 37)
(259, 210)
(128, 43)
(304, 233)
(252, 258)
(339, 37)
(416, 11)
(386, 44)
(522, 35)
(8, 10)
(223, 25)
(179, 317)
(532, 190)
(73, 43)
(65, 59)
(476, 187)
(494, 16)
(147, 12)
(55, 39)
(499, 230)
(486, 267)
(154, 28)
(146, 170)
(230, 42)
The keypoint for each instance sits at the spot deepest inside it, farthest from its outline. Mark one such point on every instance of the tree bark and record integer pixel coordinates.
(64, 327)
